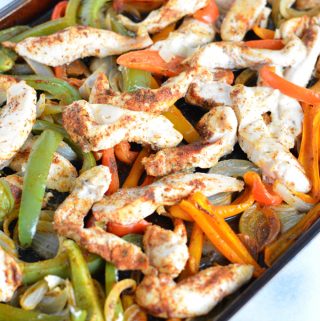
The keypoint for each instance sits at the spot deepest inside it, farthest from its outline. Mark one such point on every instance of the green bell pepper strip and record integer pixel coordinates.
(134, 79)
(72, 12)
(58, 88)
(6, 62)
(8, 312)
(59, 265)
(6, 199)
(116, 25)
(87, 158)
(111, 278)
(90, 12)
(84, 289)
(34, 184)
(8, 33)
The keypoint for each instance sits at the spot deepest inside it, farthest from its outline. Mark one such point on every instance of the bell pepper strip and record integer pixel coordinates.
(58, 88)
(87, 158)
(164, 33)
(148, 180)
(276, 249)
(34, 184)
(309, 150)
(134, 79)
(59, 10)
(85, 292)
(8, 312)
(177, 212)
(208, 14)
(6, 62)
(262, 193)
(124, 154)
(108, 159)
(90, 12)
(111, 278)
(271, 44)
(7, 34)
(72, 12)
(221, 236)
(61, 72)
(150, 60)
(137, 169)
(288, 88)
(263, 33)
(122, 230)
(115, 24)
(305, 197)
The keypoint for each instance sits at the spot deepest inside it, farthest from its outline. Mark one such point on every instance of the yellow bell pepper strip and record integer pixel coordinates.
(276, 249)
(34, 184)
(164, 33)
(137, 169)
(177, 212)
(85, 292)
(309, 150)
(108, 159)
(263, 33)
(148, 180)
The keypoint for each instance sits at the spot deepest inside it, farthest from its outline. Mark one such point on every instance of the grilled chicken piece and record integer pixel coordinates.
(131, 205)
(185, 40)
(218, 130)
(236, 55)
(76, 42)
(170, 12)
(16, 120)
(240, 18)
(307, 4)
(158, 100)
(97, 127)
(62, 173)
(167, 250)
(68, 221)
(10, 276)
(191, 297)
(256, 140)
(6, 82)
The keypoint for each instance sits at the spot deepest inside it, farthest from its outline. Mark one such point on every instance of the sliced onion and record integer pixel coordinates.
(21, 69)
(221, 198)
(8, 244)
(233, 167)
(33, 295)
(54, 301)
(46, 244)
(41, 104)
(66, 151)
(39, 69)
(291, 199)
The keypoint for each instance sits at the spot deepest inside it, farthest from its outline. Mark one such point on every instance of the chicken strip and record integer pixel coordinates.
(95, 127)
(131, 205)
(240, 18)
(276, 161)
(218, 130)
(16, 120)
(167, 250)
(158, 100)
(62, 173)
(191, 297)
(10, 276)
(68, 221)
(236, 55)
(77, 42)
(170, 12)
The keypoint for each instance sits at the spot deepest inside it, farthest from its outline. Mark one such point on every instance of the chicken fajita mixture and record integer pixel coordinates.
(155, 155)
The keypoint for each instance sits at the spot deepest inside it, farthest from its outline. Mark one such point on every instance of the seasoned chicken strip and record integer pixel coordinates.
(240, 18)
(191, 297)
(76, 42)
(10, 276)
(158, 100)
(167, 250)
(218, 130)
(95, 127)
(236, 55)
(68, 221)
(62, 173)
(185, 40)
(16, 120)
(130, 205)
(276, 161)
(170, 12)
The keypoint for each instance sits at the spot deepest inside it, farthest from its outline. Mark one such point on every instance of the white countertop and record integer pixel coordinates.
(291, 295)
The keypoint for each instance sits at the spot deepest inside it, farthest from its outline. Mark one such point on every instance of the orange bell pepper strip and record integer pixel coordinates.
(274, 250)
(208, 14)
(148, 180)
(124, 154)
(288, 88)
(59, 10)
(271, 44)
(164, 33)
(309, 150)
(177, 212)
(220, 234)
(262, 193)
(121, 230)
(137, 169)
(108, 159)
(263, 33)
(150, 60)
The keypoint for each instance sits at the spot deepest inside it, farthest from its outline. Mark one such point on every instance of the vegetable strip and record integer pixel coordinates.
(124, 154)
(108, 159)
(263, 33)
